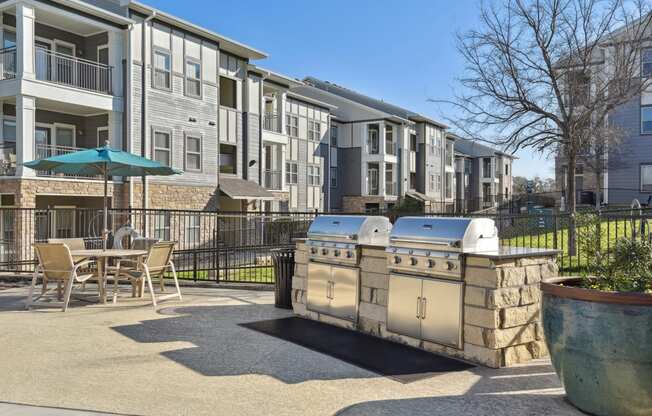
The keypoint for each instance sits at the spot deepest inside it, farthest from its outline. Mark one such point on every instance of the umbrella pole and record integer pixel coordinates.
(105, 230)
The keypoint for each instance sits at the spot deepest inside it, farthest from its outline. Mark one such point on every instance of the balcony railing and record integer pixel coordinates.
(72, 71)
(49, 150)
(8, 159)
(272, 122)
(8, 61)
(272, 179)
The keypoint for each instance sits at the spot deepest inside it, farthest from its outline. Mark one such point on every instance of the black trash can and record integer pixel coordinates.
(284, 270)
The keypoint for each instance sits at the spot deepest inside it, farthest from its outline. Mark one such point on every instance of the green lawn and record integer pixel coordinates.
(264, 274)
(610, 231)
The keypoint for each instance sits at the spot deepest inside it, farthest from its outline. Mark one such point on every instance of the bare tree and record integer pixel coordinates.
(546, 75)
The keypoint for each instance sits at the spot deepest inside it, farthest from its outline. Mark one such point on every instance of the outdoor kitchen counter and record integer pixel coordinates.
(501, 305)
(506, 252)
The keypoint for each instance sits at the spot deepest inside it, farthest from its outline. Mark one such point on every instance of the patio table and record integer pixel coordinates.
(102, 257)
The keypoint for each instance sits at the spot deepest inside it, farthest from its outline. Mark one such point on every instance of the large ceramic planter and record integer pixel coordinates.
(600, 344)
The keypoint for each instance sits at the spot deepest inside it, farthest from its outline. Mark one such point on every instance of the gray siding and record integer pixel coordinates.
(253, 147)
(171, 111)
(625, 160)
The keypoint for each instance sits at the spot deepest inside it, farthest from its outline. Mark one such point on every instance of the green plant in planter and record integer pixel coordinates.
(627, 267)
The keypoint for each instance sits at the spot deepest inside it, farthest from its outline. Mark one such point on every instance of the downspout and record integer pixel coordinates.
(265, 75)
(217, 130)
(328, 166)
(128, 111)
(143, 115)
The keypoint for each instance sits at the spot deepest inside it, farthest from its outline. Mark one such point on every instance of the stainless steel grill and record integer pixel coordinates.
(334, 248)
(426, 262)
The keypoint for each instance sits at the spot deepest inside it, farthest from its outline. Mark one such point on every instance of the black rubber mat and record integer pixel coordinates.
(400, 362)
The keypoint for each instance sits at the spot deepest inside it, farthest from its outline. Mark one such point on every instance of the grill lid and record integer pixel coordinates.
(463, 234)
(355, 229)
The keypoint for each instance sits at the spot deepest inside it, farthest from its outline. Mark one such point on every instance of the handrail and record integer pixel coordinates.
(70, 70)
(73, 58)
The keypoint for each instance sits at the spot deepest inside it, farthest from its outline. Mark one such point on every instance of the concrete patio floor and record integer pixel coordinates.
(191, 358)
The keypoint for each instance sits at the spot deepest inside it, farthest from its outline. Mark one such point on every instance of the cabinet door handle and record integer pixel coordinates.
(423, 308)
(419, 307)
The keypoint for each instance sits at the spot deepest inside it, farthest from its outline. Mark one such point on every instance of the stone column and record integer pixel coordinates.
(25, 118)
(25, 40)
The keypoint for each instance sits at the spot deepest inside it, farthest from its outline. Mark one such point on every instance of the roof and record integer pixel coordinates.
(474, 148)
(370, 101)
(95, 11)
(236, 188)
(274, 76)
(226, 43)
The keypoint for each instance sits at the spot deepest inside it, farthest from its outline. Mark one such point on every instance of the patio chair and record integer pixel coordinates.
(157, 262)
(73, 244)
(123, 266)
(56, 264)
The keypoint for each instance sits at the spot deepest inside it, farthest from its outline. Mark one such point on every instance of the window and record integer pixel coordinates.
(162, 148)
(9, 39)
(433, 144)
(193, 78)
(390, 185)
(646, 178)
(372, 139)
(162, 70)
(506, 169)
(449, 153)
(390, 146)
(102, 136)
(9, 131)
(192, 228)
(334, 133)
(314, 177)
(193, 153)
(438, 187)
(646, 62)
(646, 120)
(413, 142)
(291, 125)
(486, 167)
(314, 131)
(372, 179)
(162, 226)
(432, 182)
(228, 158)
(291, 173)
(333, 177)
(228, 92)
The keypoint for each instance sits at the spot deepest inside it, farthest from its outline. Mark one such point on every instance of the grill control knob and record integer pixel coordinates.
(349, 254)
(451, 265)
(397, 259)
(413, 261)
(336, 253)
(431, 263)
(324, 251)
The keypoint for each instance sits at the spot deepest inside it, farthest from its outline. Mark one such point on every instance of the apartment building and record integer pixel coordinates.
(379, 153)
(483, 175)
(76, 74)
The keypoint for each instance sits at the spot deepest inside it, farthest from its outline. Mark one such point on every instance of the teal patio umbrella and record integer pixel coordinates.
(103, 161)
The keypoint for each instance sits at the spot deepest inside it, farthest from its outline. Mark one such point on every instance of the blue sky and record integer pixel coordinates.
(399, 51)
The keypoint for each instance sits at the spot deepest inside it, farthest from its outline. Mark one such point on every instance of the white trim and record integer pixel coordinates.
(97, 52)
(200, 137)
(64, 126)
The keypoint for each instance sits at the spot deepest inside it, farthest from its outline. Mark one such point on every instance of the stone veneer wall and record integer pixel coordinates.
(501, 306)
(358, 203)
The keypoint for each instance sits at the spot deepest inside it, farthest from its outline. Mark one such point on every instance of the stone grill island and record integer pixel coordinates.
(439, 284)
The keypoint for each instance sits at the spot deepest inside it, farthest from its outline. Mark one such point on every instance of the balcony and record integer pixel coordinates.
(8, 60)
(48, 150)
(272, 180)
(72, 71)
(272, 122)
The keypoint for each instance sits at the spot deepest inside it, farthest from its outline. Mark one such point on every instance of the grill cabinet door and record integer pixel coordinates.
(442, 312)
(402, 304)
(318, 282)
(344, 302)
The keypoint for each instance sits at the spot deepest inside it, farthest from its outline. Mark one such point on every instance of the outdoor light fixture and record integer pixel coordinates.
(192, 120)
(252, 163)
(211, 123)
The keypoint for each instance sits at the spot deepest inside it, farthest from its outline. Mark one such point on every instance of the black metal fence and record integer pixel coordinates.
(236, 246)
